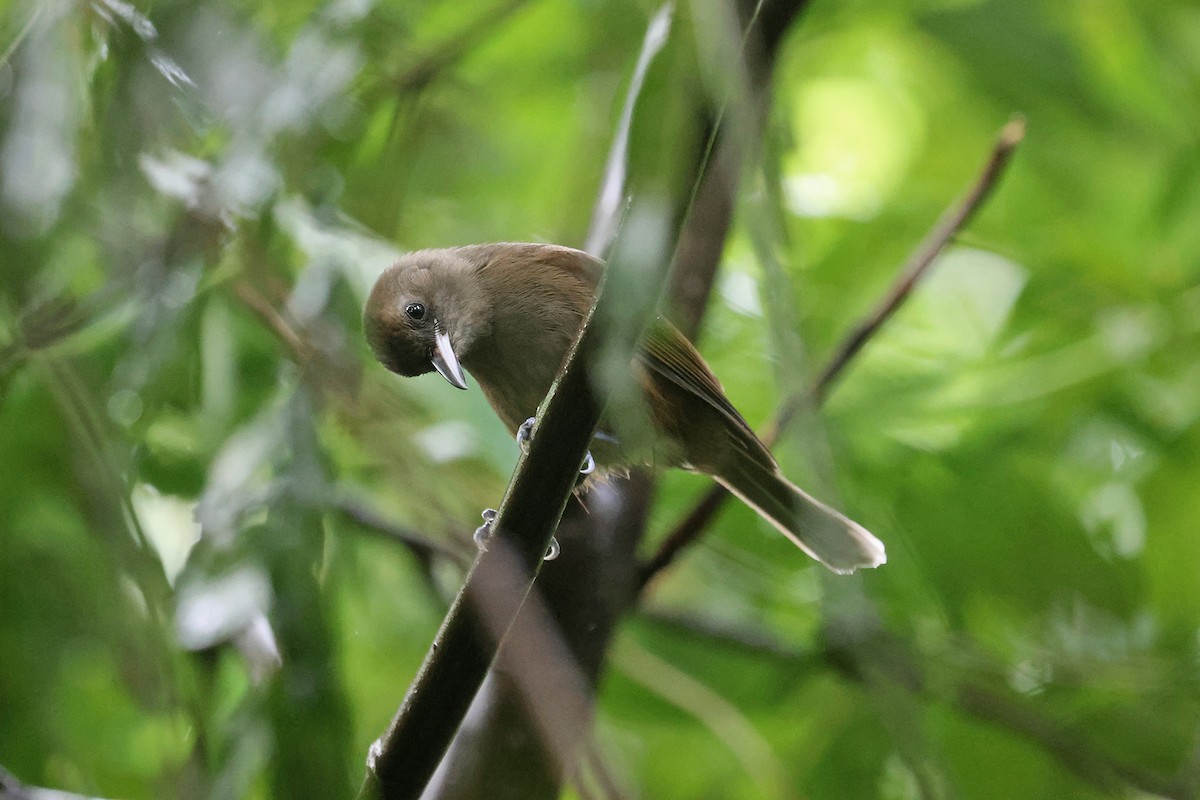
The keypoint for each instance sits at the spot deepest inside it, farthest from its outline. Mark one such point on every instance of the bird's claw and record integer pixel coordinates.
(525, 435)
(483, 535)
(484, 532)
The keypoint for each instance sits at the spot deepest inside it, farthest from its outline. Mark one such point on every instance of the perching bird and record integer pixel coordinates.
(509, 314)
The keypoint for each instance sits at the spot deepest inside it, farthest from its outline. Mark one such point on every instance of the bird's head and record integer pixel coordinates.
(425, 313)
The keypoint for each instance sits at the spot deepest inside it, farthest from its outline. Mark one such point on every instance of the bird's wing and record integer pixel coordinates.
(669, 354)
(584, 267)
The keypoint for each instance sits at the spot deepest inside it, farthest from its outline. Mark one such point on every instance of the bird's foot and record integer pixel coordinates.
(483, 535)
(525, 435)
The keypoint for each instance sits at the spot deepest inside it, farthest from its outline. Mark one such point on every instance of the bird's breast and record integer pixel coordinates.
(515, 384)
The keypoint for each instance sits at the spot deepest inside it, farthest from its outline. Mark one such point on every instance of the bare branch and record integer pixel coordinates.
(887, 659)
(424, 550)
(536, 668)
(405, 757)
(1071, 751)
(651, 161)
(281, 327)
(740, 637)
(951, 222)
(422, 547)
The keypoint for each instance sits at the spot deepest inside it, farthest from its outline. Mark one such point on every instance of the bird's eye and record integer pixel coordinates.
(415, 311)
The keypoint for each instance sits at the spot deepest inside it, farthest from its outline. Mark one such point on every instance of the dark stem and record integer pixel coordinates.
(886, 660)
(588, 589)
(404, 759)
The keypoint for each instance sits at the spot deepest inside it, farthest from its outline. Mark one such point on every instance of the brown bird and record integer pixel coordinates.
(509, 314)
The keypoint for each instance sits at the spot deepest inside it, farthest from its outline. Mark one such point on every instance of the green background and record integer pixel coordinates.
(196, 196)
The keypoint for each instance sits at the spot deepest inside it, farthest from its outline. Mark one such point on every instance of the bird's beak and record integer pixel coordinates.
(444, 360)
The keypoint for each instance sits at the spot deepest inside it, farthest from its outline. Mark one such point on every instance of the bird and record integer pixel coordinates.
(508, 313)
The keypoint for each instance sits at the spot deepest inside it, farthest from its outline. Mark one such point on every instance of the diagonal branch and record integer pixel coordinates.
(943, 232)
(1106, 773)
(973, 693)
(403, 760)
(443, 56)
(648, 162)
(423, 549)
(953, 220)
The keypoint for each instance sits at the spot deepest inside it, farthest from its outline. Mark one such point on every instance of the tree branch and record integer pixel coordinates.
(886, 658)
(537, 670)
(504, 753)
(423, 548)
(1079, 757)
(949, 224)
(402, 761)
(953, 220)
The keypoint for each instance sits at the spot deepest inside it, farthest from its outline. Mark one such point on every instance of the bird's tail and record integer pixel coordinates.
(831, 538)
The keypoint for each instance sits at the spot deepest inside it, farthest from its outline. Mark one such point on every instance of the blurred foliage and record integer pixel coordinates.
(197, 195)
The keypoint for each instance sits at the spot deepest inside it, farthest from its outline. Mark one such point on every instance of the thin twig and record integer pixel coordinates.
(1082, 759)
(951, 222)
(737, 636)
(327, 371)
(423, 547)
(978, 697)
(263, 309)
(439, 58)
(886, 662)
(947, 227)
